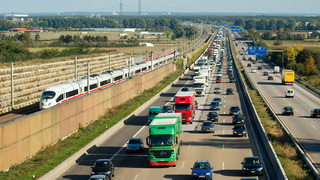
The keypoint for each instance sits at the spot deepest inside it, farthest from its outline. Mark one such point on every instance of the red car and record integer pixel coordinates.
(218, 81)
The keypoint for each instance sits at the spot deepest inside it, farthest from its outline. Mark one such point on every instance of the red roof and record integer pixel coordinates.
(18, 29)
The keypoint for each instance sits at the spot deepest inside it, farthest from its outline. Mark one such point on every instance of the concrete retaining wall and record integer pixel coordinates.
(24, 137)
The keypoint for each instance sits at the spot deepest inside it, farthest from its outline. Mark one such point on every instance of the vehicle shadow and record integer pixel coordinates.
(270, 83)
(136, 120)
(177, 176)
(224, 135)
(77, 177)
(278, 96)
(167, 94)
(305, 117)
(227, 172)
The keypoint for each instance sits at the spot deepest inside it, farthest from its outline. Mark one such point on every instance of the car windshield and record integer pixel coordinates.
(135, 141)
(214, 103)
(153, 113)
(287, 108)
(217, 99)
(238, 116)
(238, 127)
(183, 107)
(101, 164)
(229, 90)
(212, 113)
(197, 85)
(207, 124)
(166, 107)
(216, 88)
(234, 108)
(201, 166)
(252, 161)
(48, 95)
(161, 140)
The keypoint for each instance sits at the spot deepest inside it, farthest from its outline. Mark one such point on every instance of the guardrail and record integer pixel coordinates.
(270, 150)
(305, 156)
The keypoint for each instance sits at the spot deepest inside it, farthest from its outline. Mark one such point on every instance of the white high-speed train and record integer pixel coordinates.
(63, 92)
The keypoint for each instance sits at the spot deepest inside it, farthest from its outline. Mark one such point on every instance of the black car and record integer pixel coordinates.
(232, 80)
(238, 118)
(270, 78)
(265, 73)
(184, 89)
(315, 113)
(192, 76)
(234, 110)
(167, 109)
(229, 91)
(103, 167)
(252, 166)
(259, 68)
(248, 65)
(196, 103)
(239, 130)
(213, 116)
(287, 110)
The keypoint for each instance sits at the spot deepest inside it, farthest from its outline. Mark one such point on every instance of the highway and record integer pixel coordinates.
(304, 128)
(221, 149)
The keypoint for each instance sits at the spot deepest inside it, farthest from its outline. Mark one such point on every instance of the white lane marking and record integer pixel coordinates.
(189, 146)
(313, 126)
(127, 142)
(224, 120)
(224, 106)
(222, 146)
(136, 177)
(182, 165)
(224, 112)
(222, 165)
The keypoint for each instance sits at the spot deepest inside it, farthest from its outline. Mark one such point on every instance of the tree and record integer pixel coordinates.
(173, 37)
(299, 48)
(37, 37)
(167, 33)
(291, 55)
(309, 65)
(24, 37)
(267, 35)
(179, 32)
(303, 55)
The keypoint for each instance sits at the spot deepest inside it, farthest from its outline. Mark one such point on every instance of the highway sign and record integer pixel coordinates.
(200, 21)
(216, 37)
(236, 30)
(257, 50)
(210, 22)
(223, 24)
(233, 26)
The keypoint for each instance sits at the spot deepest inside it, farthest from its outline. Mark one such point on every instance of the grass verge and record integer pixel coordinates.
(288, 154)
(53, 155)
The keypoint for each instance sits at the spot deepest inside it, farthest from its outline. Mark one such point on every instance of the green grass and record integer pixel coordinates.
(53, 155)
(288, 154)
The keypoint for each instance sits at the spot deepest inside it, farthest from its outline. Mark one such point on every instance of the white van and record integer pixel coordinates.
(290, 93)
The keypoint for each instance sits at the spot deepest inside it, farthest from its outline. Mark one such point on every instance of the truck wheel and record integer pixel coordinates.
(191, 122)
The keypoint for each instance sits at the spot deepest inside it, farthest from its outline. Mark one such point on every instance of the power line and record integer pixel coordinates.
(139, 7)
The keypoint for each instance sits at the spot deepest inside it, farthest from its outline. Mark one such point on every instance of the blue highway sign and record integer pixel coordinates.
(223, 24)
(257, 50)
(236, 30)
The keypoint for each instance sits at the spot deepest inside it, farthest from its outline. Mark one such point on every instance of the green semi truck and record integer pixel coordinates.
(153, 112)
(164, 139)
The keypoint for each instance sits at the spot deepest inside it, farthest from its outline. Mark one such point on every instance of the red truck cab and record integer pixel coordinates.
(185, 104)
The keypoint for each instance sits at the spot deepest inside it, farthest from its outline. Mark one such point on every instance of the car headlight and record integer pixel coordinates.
(194, 174)
(244, 169)
(243, 132)
(208, 174)
(109, 172)
(152, 160)
(260, 169)
(172, 160)
(92, 172)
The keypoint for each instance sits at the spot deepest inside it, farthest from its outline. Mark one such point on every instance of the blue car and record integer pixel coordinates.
(215, 105)
(202, 170)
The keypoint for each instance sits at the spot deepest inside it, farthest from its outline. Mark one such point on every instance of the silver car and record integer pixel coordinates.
(207, 126)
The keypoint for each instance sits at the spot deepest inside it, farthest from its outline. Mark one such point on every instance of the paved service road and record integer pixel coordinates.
(303, 127)
(223, 151)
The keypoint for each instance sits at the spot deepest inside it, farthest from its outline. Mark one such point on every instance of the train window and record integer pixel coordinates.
(72, 93)
(137, 71)
(105, 82)
(59, 98)
(93, 86)
(86, 89)
(118, 78)
(48, 94)
(145, 68)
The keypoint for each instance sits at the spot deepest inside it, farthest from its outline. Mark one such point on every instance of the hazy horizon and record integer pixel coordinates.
(308, 7)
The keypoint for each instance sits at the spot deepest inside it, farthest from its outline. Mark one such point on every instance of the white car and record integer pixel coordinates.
(217, 90)
(290, 93)
(253, 70)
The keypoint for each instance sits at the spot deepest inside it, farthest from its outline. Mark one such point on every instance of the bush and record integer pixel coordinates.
(48, 53)
(277, 43)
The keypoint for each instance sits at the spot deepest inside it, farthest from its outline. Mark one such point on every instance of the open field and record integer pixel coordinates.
(294, 43)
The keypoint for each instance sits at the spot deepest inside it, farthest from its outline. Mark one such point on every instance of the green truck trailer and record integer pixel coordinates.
(164, 139)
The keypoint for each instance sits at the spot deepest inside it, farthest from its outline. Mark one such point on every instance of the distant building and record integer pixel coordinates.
(48, 29)
(25, 30)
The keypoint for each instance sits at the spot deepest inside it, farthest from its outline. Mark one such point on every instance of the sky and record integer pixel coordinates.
(192, 6)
